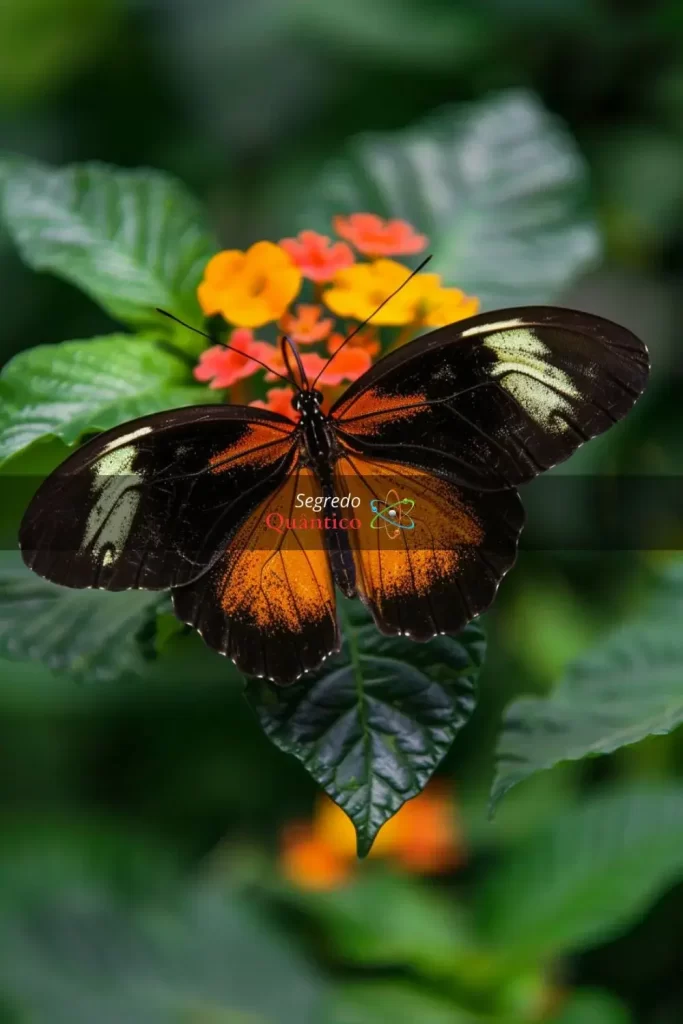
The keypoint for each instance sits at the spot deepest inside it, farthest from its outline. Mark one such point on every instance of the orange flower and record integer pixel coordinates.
(306, 327)
(351, 362)
(223, 366)
(376, 237)
(366, 339)
(316, 256)
(249, 288)
(424, 837)
(307, 860)
(358, 291)
(311, 361)
(279, 400)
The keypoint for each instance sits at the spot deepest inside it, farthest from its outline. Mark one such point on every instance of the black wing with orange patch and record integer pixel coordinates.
(153, 502)
(494, 400)
(269, 602)
(429, 555)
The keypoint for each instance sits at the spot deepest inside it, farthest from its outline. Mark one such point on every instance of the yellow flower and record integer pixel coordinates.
(446, 305)
(359, 290)
(249, 288)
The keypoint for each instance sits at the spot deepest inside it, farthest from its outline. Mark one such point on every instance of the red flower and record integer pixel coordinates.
(316, 256)
(223, 366)
(365, 339)
(312, 364)
(279, 400)
(306, 327)
(351, 362)
(375, 237)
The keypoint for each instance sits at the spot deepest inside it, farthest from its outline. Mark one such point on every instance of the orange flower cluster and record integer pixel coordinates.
(424, 837)
(263, 285)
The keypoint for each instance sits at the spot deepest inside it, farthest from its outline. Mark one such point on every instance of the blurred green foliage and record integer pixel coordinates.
(139, 818)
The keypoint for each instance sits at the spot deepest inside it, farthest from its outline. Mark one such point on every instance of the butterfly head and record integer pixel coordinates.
(307, 402)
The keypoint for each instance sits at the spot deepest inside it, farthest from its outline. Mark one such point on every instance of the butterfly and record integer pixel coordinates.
(207, 501)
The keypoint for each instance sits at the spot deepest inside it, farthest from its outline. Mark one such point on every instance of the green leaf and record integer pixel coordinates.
(395, 1001)
(93, 635)
(498, 186)
(373, 726)
(77, 949)
(78, 386)
(413, 34)
(628, 688)
(586, 876)
(591, 1006)
(133, 240)
(384, 920)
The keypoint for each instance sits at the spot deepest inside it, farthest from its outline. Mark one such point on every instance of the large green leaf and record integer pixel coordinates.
(413, 33)
(78, 386)
(591, 1006)
(133, 240)
(498, 186)
(372, 728)
(629, 687)
(383, 920)
(78, 948)
(586, 876)
(365, 1002)
(90, 634)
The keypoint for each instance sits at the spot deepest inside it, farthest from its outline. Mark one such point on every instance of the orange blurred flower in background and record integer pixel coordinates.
(278, 400)
(348, 365)
(374, 236)
(351, 362)
(310, 863)
(223, 366)
(316, 256)
(366, 339)
(311, 362)
(424, 837)
(249, 288)
(305, 327)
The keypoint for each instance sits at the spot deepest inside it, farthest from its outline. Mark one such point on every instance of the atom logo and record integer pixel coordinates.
(392, 514)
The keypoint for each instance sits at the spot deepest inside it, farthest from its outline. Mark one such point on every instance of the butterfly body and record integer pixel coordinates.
(209, 501)
(320, 450)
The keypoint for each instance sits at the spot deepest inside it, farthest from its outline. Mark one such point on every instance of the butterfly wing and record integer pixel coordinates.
(151, 503)
(269, 602)
(436, 562)
(494, 400)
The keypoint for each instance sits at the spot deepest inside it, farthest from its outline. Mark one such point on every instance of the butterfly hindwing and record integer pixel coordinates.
(151, 503)
(430, 555)
(269, 601)
(496, 399)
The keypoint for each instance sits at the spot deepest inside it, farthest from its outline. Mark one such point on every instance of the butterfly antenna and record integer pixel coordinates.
(287, 347)
(226, 344)
(360, 327)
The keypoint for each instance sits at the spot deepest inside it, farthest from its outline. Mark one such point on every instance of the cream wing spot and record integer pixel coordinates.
(116, 499)
(525, 369)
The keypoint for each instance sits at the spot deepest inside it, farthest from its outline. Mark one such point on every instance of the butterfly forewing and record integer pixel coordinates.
(150, 504)
(496, 399)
